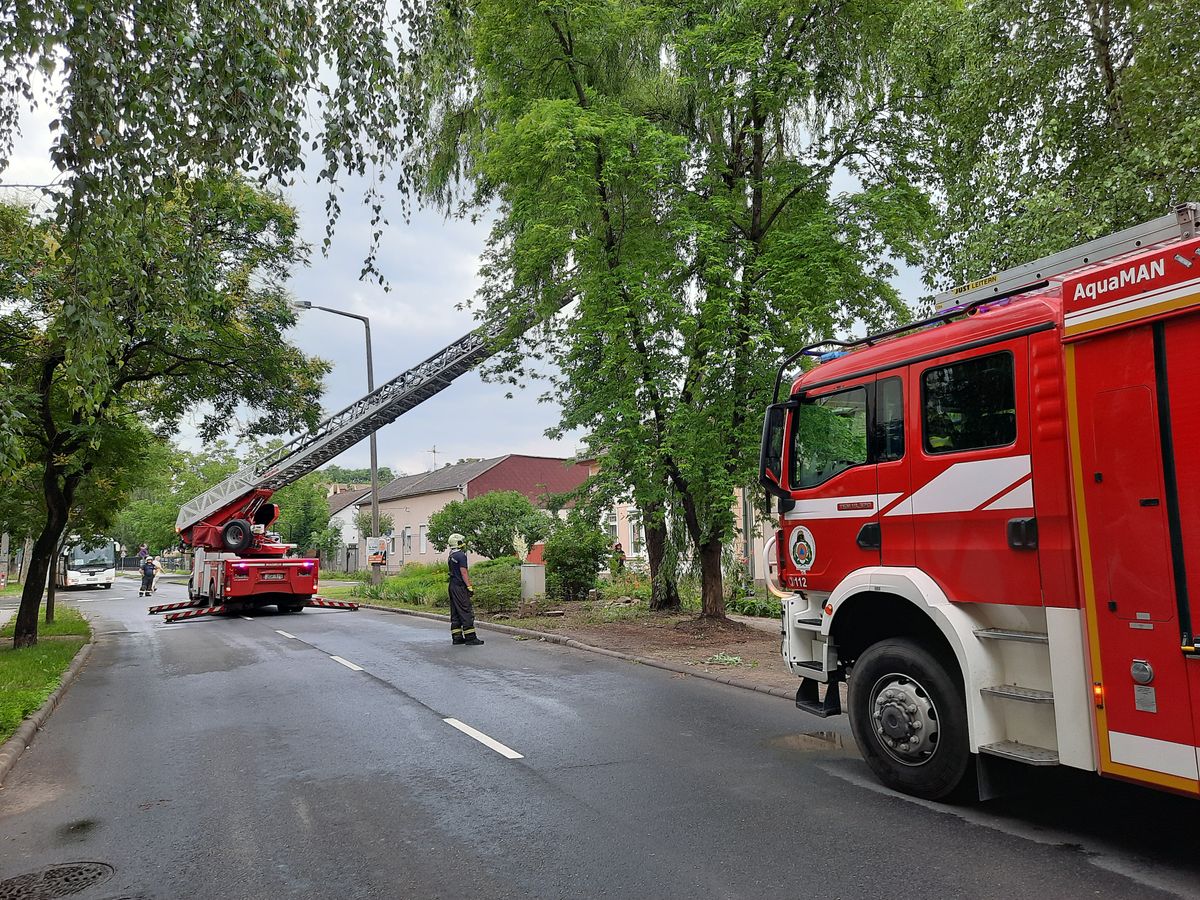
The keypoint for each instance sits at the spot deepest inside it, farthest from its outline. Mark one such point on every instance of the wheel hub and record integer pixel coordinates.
(905, 719)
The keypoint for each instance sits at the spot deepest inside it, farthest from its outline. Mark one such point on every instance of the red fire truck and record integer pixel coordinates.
(989, 522)
(239, 563)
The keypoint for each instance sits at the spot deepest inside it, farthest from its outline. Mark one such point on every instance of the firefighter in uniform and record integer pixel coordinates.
(462, 615)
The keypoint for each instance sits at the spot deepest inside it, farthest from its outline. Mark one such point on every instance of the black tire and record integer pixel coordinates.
(236, 535)
(212, 594)
(291, 606)
(919, 744)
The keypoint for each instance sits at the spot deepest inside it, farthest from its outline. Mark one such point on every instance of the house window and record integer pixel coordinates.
(611, 525)
(423, 537)
(637, 539)
(408, 540)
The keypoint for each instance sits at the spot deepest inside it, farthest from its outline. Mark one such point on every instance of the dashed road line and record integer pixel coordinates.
(286, 635)
(248, 618)
(494, 744)
(346, 663)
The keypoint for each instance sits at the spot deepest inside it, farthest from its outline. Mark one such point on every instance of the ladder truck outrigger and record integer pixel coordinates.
(989, 523)
(238, 564)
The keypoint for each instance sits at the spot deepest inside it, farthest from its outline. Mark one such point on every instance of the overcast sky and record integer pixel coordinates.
(431, 265)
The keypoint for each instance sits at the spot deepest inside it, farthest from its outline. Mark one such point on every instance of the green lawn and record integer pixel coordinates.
(13, 589)
(67, 621)
(30, 675)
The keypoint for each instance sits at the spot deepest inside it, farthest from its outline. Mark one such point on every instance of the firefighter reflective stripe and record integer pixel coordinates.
(456, 631)
(966, 486)
(467, 631)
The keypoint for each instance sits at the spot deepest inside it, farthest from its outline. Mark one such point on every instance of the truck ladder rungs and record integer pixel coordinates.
(194, 613)
(331, 604)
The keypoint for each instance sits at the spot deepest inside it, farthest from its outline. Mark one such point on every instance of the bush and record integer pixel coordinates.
(629, 584)
(767, 607)
(574, 554)
(497, 586)
(415, 583)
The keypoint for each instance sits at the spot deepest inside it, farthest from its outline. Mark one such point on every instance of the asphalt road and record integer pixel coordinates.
(232, 758)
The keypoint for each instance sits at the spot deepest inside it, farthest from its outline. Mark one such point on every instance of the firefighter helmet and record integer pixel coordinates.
(457, 541)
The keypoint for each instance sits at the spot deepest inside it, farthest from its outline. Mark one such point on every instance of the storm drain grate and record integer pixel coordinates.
(55, 881)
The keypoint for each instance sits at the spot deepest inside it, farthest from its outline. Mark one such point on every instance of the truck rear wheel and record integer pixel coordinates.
(910, 719)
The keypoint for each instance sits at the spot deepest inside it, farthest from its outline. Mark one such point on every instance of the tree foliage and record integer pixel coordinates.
(669, 169)
(1044, 124)
(188, 320)
(339, 475)
(492, 523)
(362, 522)
(574, 554)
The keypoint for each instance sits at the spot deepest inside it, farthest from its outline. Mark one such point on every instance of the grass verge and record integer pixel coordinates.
(29, 675)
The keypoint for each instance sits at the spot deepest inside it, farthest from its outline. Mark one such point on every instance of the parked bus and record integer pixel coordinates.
(91, 562)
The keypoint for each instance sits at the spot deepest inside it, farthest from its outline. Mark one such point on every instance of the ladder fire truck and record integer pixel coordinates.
(989, 522)
(238, 563)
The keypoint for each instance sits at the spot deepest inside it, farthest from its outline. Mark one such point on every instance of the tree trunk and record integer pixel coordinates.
(40, 559)
(664, 592)
(712, 591)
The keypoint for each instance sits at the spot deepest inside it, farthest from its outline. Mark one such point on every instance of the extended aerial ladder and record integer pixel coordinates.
(238, 563)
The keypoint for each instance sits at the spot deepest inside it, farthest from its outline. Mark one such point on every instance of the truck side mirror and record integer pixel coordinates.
(770, 457)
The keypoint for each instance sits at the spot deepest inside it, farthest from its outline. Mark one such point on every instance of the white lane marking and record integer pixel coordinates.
(248, 618)
(507, 752)
(346, 663)
(286, 635)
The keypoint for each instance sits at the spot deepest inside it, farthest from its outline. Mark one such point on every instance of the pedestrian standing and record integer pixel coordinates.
(462, 614)
(616, 564)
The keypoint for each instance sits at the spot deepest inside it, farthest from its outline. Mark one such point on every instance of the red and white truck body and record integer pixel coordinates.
(990, 522)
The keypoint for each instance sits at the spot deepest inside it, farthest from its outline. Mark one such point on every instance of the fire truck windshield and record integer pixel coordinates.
(829, 435)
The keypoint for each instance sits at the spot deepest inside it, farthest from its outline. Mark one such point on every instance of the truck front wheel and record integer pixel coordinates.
(910, 719)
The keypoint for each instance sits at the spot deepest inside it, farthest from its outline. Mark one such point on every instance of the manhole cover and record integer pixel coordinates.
(55, 881)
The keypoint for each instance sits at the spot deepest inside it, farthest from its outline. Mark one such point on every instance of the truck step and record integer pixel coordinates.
(810, 623)
(1033, 756)
(808, 701)
(1012, 634)
(1016, 692)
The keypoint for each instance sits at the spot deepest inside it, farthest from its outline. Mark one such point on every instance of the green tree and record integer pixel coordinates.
(575, 553)
(362, 522)
(670, 168)
(491, 524)
(338, 475)
(191, 316)
(303, 510)
(1046, 123)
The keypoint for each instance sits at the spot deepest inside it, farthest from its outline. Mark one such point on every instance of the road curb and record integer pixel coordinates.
(11, 750)
(783, 693)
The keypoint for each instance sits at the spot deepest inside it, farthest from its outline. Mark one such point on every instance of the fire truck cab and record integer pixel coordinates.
(987, 521)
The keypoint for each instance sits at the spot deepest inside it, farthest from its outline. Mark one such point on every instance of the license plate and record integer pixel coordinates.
(273, 576)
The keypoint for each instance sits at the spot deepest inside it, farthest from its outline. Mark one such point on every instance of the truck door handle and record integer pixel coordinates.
(870, 537)
(1148, 501)
(1022, 534)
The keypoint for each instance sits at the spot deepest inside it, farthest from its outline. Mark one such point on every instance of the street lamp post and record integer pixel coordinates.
(376, 575)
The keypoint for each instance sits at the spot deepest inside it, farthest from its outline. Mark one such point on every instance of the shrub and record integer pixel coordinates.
(767, 607)
(415, 583)
(497, 587)
(574, 554)
(629, 584)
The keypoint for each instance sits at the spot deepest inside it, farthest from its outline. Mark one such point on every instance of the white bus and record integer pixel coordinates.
(87, 562)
